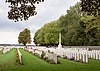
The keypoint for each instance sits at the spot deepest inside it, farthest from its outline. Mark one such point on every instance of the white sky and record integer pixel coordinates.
(47, 11)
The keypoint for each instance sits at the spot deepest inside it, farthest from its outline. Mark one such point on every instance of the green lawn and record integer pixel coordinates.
(32, 63)
(0, 52)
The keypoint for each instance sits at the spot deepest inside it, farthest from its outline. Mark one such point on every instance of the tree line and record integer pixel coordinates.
(79, 27)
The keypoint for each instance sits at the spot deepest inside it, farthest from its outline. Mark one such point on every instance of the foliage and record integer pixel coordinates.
(22, 9)
(24, 37)
(45, 36)
(92, 30)
(43, 54)
(77, 29)
(91, 6)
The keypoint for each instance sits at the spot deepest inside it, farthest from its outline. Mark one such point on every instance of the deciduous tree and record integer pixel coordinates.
(22, 9)
(24, 37)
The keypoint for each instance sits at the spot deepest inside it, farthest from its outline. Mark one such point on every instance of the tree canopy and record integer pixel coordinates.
(45, 36)
(22, 9)
(24, 37)
(77, 29)
(91, 6)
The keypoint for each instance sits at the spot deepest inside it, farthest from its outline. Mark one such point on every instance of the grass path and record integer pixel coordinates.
(7, 60)
(0, 52)
(32, 63)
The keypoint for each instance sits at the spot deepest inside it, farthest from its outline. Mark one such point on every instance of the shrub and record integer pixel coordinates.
(58, 62)
(51, 62)
(42, 55)
(45, 58)
(59, 56)
(31, 52)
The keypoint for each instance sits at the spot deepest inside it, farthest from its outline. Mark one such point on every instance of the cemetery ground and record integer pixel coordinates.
(33, 63)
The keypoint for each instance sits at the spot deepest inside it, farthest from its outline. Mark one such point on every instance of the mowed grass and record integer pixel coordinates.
(32, 63)
(0, 52)
(7, 60)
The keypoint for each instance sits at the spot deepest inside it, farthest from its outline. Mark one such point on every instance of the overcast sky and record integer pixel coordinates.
(47, 11)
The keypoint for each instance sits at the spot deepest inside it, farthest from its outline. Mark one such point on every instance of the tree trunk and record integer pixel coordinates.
(24, 44)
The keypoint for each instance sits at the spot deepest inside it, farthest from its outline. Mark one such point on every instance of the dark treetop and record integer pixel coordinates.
(22, 9)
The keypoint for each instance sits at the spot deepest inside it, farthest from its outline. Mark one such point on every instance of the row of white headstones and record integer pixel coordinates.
(49, 55)
(5, 49)
(0, 49)
(77, 54)
(19, 55)
(80, 54)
